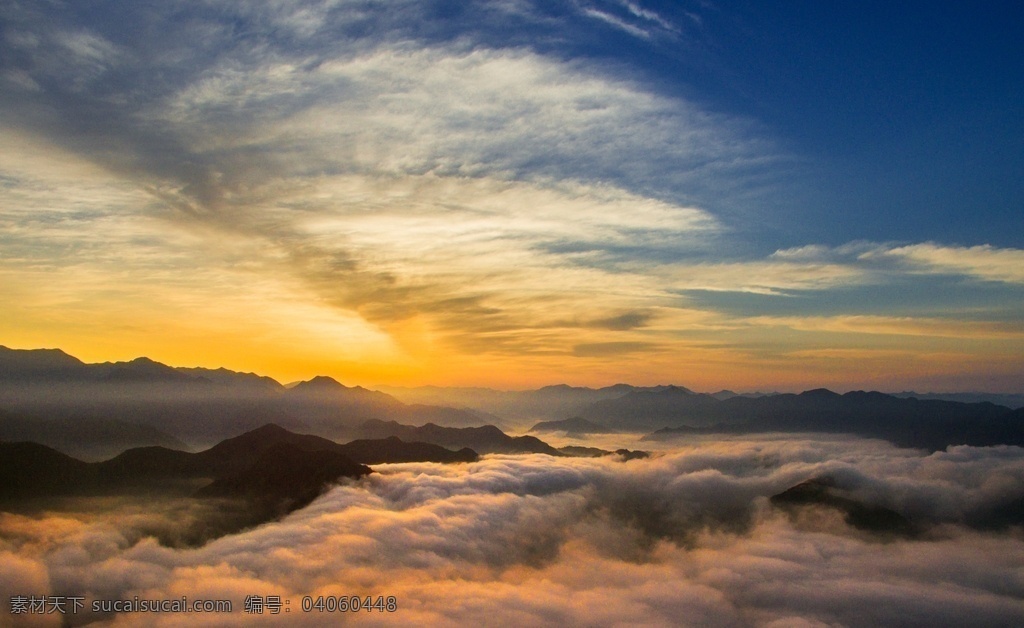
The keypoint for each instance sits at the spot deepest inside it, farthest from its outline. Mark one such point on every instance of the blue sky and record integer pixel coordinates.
(785, 194)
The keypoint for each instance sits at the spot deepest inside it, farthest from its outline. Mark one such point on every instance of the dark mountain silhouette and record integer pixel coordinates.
(224, 377)
(143, 465)
(323, 385)
(144, 370)
(268, 472)
(229, 456)
(238, 453)
(1008, 400)
(286, 472)
(197, 406)
(516, 408)
(486, 440)
(577, 451)
(234, 455)
(393, 449)
(631, 454)
(283, 478)
(575, 425)
(824, 492)
(37, 363)
(1001, 514)
(641, 410)
(722, 395)
(29, 470)
(929, 424)
(84, 437)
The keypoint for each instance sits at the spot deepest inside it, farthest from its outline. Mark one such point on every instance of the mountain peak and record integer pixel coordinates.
(820, 393)
(319, 383)
(269, 430)
(34, 360)
(672, 389)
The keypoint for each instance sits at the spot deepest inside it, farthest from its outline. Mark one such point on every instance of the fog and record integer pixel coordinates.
(686, 537)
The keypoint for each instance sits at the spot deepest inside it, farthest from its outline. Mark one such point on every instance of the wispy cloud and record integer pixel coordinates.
(618, 23)
(629, 17)
(984, 262)
(898, 326)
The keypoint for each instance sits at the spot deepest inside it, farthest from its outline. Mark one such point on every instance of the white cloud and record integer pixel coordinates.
(618, 23)
(984, 262)
(543, 541)
(894, 325)
(454, 111)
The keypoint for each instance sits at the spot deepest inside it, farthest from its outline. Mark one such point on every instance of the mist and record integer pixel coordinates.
(686, 537)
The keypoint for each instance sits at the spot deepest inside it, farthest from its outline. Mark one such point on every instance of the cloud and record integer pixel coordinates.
(896, 326)
(397, 183)
(624, 321)
(604, 349)
(631, 18)
(687, 533)
(984, 262)
(618, 23)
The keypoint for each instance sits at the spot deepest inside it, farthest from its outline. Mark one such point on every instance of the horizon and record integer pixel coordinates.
(555, 384)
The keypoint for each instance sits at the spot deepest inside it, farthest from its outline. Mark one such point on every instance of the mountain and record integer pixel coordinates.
(234, 379)
(264, 474)
(144, 370)
(240, 452)
(84, 437)
(393, 449)
(37, 363)
(196, 406)
(283, 478)
(486, 440)
(641, 410)
(30, 470)
(825, 492)
(722, 395)
(285, 472)
(234, 455)
(1008, 400)
(516, 408)
(575, 425)
(926, 424)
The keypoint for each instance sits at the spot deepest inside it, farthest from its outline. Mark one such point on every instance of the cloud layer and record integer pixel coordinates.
(684, 537)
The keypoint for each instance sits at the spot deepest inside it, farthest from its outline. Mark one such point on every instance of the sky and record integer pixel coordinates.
(512, 193)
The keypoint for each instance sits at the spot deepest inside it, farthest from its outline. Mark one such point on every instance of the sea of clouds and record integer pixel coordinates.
(686, 537)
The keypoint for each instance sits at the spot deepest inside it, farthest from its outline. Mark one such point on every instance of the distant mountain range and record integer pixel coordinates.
(485, 440)
(517, 406)
(95, 410)
(1010, 401)
(926, 424)
(572, 426)
(50, 397)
